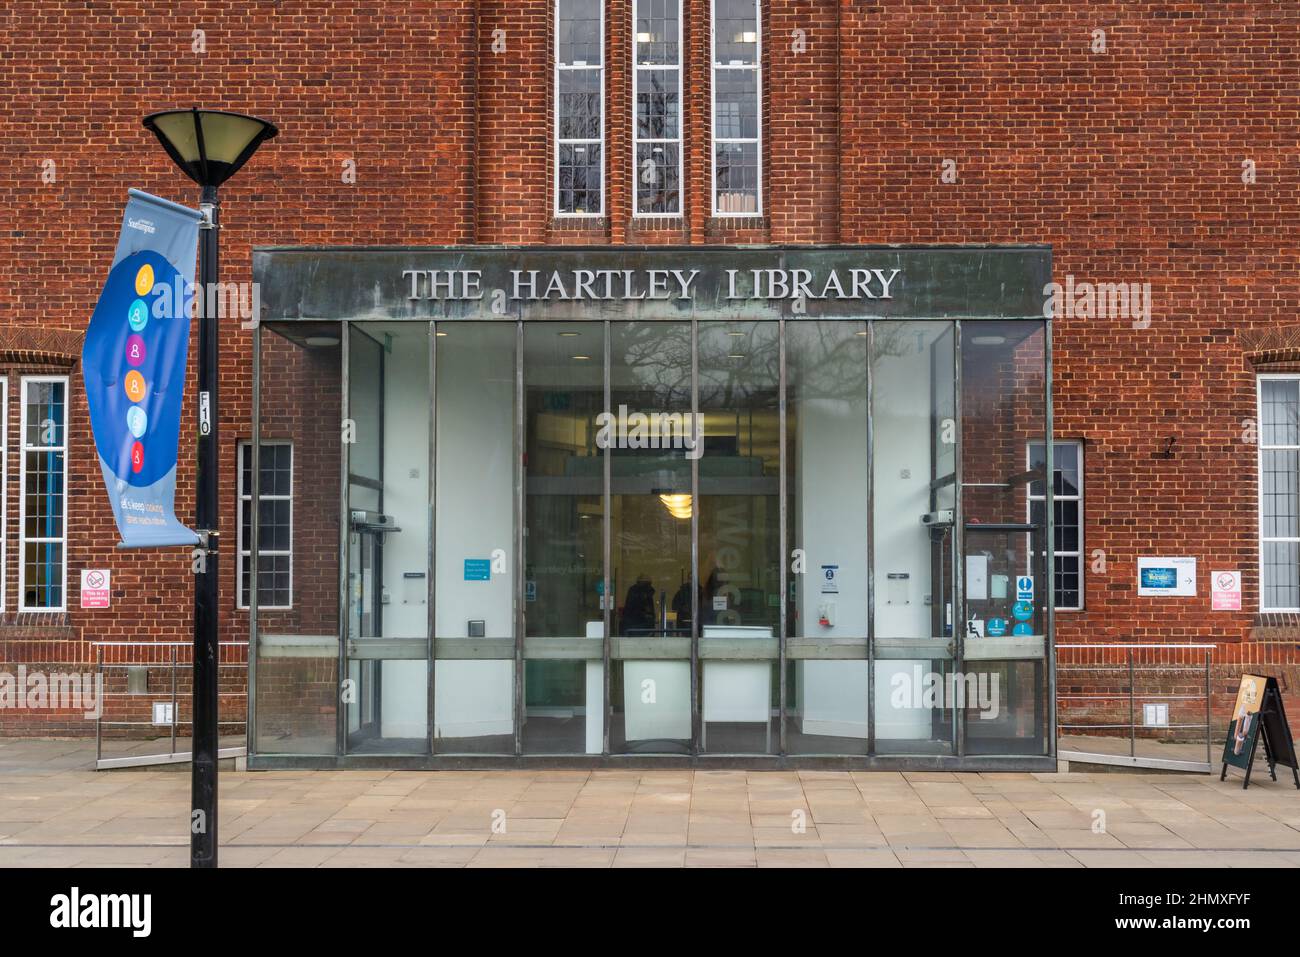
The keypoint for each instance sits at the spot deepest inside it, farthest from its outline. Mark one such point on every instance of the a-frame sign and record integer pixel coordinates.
(1258, 714)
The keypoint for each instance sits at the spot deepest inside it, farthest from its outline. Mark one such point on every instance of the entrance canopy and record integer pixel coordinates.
(590, 506)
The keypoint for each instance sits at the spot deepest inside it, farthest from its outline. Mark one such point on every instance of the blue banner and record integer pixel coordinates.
(133, 364)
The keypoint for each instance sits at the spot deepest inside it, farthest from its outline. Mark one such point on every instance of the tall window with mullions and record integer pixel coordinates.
(657, 127)
(1279, 493)
(737, 109)
(579, 107)
(44, 496)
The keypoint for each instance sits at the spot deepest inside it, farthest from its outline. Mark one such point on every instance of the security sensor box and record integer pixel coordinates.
(941, 517)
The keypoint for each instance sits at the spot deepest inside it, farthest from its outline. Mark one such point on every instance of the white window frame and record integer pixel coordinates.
(1031, 498)
(243, 495)
(4, 492)
(23, 538)
(680, 140)
(714, 139)
(556, 142)
(1260, 449)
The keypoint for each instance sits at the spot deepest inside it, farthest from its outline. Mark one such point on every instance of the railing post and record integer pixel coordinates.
(1208, 742)
(1132, 715)
(99, 719)
(173, 722)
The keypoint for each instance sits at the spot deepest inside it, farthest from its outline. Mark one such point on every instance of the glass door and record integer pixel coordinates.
(387, 650)
(914, 481)
(650, 579)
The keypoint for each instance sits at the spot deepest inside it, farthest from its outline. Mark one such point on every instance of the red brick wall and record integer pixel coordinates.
(1128, 162)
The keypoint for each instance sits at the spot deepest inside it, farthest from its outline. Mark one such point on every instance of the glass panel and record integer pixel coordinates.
(579, 32)
(46, 413)
(736, 105)
(651, 579)
(579, 104)
(297, 681)
(827, 464)
(1281, 499)
(735, 31)
(388, 539)
(737, 177)
(1281, 575)
(1004, 617)
(1280, 409)
(42, 574)
(1065, 467)
(657, 31)
(740, 527)
(658, 108)
(580, 178)
(914, 441)
(474, 552)
(658, 184)
(43, 508)
(564, 394)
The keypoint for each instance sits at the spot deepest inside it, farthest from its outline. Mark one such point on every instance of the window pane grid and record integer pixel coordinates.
(1067, 517)
(737, 164)
(657, 125)
(1279, 493)
(275, 525)
(43, 526)
(579, 108)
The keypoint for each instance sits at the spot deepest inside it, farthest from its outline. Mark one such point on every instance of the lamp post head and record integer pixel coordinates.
(209, 146)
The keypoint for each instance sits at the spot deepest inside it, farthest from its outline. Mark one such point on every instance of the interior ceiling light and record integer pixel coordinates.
(322, 340)
(677, 503)
(579, 357)
(568, 335)
(988, 340)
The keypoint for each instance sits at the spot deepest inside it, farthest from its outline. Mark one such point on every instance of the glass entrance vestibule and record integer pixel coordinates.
(751, 534)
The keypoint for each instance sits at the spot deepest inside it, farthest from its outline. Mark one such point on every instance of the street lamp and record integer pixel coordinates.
(209, 146)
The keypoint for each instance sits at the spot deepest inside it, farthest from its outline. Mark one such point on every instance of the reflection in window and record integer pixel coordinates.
(737, 166)
(579, 107)
(563, 538)
(657, 131)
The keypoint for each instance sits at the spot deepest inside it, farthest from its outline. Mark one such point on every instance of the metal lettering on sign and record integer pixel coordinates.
(205, 414)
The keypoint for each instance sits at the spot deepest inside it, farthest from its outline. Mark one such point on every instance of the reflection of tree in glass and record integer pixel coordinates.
(739, 372)
(652, 358)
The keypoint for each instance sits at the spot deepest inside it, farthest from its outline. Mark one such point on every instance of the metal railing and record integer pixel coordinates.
(176, 669)
(1111, 679)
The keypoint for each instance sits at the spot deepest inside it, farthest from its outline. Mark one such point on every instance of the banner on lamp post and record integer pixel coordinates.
(133, 364)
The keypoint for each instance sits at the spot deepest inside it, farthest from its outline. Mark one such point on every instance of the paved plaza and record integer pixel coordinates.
(55, 811)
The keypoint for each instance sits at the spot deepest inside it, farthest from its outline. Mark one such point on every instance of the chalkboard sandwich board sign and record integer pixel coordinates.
(1258, 715)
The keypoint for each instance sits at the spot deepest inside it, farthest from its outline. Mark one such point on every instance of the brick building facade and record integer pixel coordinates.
(1144, 142)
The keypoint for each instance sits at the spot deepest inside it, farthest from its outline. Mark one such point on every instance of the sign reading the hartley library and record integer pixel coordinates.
(635, 284)
(661, 282)
(1258, 714)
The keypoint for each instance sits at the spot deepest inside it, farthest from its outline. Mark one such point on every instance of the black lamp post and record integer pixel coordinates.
(209, 146)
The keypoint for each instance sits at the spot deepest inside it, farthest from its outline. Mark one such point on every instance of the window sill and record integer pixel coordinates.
(731, 224)
(579, 224)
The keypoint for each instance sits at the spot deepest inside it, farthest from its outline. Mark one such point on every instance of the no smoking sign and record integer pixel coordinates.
(1225, 591)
